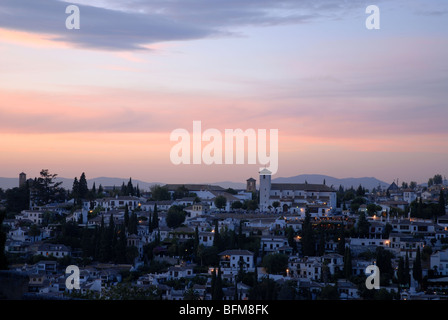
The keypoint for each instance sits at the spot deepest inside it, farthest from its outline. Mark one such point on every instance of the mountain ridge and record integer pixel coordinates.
(366, 182)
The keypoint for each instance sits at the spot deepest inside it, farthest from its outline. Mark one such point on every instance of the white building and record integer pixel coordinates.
(232, 259)
(206, 238)
(293, 197)
(273, 243)
(114, 203)
(55, 250)
(439, 262)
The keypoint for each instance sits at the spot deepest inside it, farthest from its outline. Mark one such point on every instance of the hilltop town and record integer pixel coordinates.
(285, 241)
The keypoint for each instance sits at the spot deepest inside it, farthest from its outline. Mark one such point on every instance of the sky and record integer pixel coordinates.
(103, 99)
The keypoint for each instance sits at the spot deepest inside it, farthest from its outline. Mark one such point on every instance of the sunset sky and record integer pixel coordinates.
(347, 101)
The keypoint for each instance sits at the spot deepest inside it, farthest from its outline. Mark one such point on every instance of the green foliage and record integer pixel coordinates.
(46, 190)
(266, 289)
(220, 202)
(237, 205)
(191, 294)
(288, 291)
(308, 238)
(175, 216)
(17, 199)
(3, 260)
(424, 210)
(329, 292)
(362, 226)
(159, 193)
(275, 263)
(125, 291)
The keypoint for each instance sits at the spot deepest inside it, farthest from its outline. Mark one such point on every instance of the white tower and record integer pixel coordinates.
(265, 189)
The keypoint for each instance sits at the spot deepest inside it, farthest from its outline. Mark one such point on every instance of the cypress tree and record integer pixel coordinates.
(126, 216)
(155, 218)
(217, 237)
(124, 189)
(133, 224)
(3, 259)
(341, 242)
(75, 190)
(120, 251)
(407, 270)
(196, 239)
(213, 283)
(400, 272)
(130, 188)
(112, 234)
(417, 267)
(347, 263)
(218, 293)
(100, 190)
(322, 243)
(308, 240)
(104, 243)
(240, 235)
(442, 204)
(83, 188)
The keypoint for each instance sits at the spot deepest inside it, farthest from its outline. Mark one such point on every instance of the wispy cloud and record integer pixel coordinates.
(135, 24)
(101, 28)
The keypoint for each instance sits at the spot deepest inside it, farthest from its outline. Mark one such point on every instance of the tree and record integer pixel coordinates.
(276, 204)
(120, 249)
(3, 260)
(287, 290)
(401, 278)
(155, 218)
(218, 294)
(83, 189)
(417, 267)
(373, 208)
(160, 193)
(237, 205)
(437, 179)
(133, 223)
(104, 249)
(220, 202)
(407, 270)
(290, 237)
(363, 225)
(275, 263)
(130, 188)
(266, 289)
(308, 239)
(217, 238)
(442, 204)
(123, 190)
(100, 190)
(17, 199)
(191, 294)
(387, 230)
(75, 190)
(384, 263)
(46, 189)
(175, 216)
(329, 292)
(360, 191)
(347, 263)
(126, 215)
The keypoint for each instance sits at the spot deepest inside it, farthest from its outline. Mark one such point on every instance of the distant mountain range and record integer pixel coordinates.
(366, 182)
